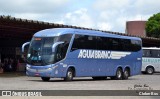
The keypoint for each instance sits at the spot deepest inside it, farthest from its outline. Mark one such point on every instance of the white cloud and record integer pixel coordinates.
(104, 26)
(117, 12)
(110, 4)
(32, 6)
(147, 6)
(99, 14)
(79, 18)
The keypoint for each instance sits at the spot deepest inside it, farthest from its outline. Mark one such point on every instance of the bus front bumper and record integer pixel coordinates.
(39, 71)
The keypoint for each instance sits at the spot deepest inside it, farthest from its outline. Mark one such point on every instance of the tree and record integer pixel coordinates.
(153, 26)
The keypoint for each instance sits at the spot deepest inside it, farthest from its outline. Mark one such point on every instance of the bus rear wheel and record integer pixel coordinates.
(149, 70)
(45, 78)
(69, 75)
(126, 74)
(119, 74)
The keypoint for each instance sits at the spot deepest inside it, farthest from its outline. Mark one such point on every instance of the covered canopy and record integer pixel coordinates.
(15, 31)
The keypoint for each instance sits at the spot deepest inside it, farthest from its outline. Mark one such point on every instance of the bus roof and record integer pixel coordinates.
(61, 31)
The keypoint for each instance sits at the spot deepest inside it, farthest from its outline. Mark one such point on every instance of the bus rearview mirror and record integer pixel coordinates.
(54, 46)
(27, 43)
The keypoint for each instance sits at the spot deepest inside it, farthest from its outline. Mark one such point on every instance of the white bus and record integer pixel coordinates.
(151, 60)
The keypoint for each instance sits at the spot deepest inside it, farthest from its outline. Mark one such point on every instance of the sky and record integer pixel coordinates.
(108, 15)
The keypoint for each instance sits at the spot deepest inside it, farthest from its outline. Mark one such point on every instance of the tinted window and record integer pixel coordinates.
(105, 43)
(116, 44)
(102, 43)
(151, 53)
(125, 44)
(65, 38)
(155, 53)
(146, 53)
(135, 45)
(62, 48)
(84, 42)
(91, 42)
(78, 42)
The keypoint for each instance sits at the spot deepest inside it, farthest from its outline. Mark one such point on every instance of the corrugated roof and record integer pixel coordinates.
(67, 26)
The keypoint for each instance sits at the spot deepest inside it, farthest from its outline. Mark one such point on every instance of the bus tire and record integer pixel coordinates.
(69, 75)
(119, 74)
(150, 70)
(45, 78)
(126, 73)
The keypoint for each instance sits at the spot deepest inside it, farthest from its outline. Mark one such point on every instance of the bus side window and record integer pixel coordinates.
(125, 44)
(84, 42)
(135, 45)
(158, 53)
(116, 44)
(155, 53)
(62, 48)
(78, 42)
(146, 53)
(102, 43)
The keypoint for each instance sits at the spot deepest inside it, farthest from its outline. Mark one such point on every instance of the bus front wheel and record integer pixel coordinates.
(149, 70)
(69, 75)
(45, 78)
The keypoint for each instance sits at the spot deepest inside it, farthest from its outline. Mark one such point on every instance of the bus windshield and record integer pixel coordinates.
(40, 51)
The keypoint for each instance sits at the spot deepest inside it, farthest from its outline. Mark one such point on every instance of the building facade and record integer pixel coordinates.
(136, 28)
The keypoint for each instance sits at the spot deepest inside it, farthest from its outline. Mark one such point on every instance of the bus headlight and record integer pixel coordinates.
(28, 66)
(49, 69)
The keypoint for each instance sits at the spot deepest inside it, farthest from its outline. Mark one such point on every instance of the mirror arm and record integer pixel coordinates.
(55, 44)
(24, 46)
